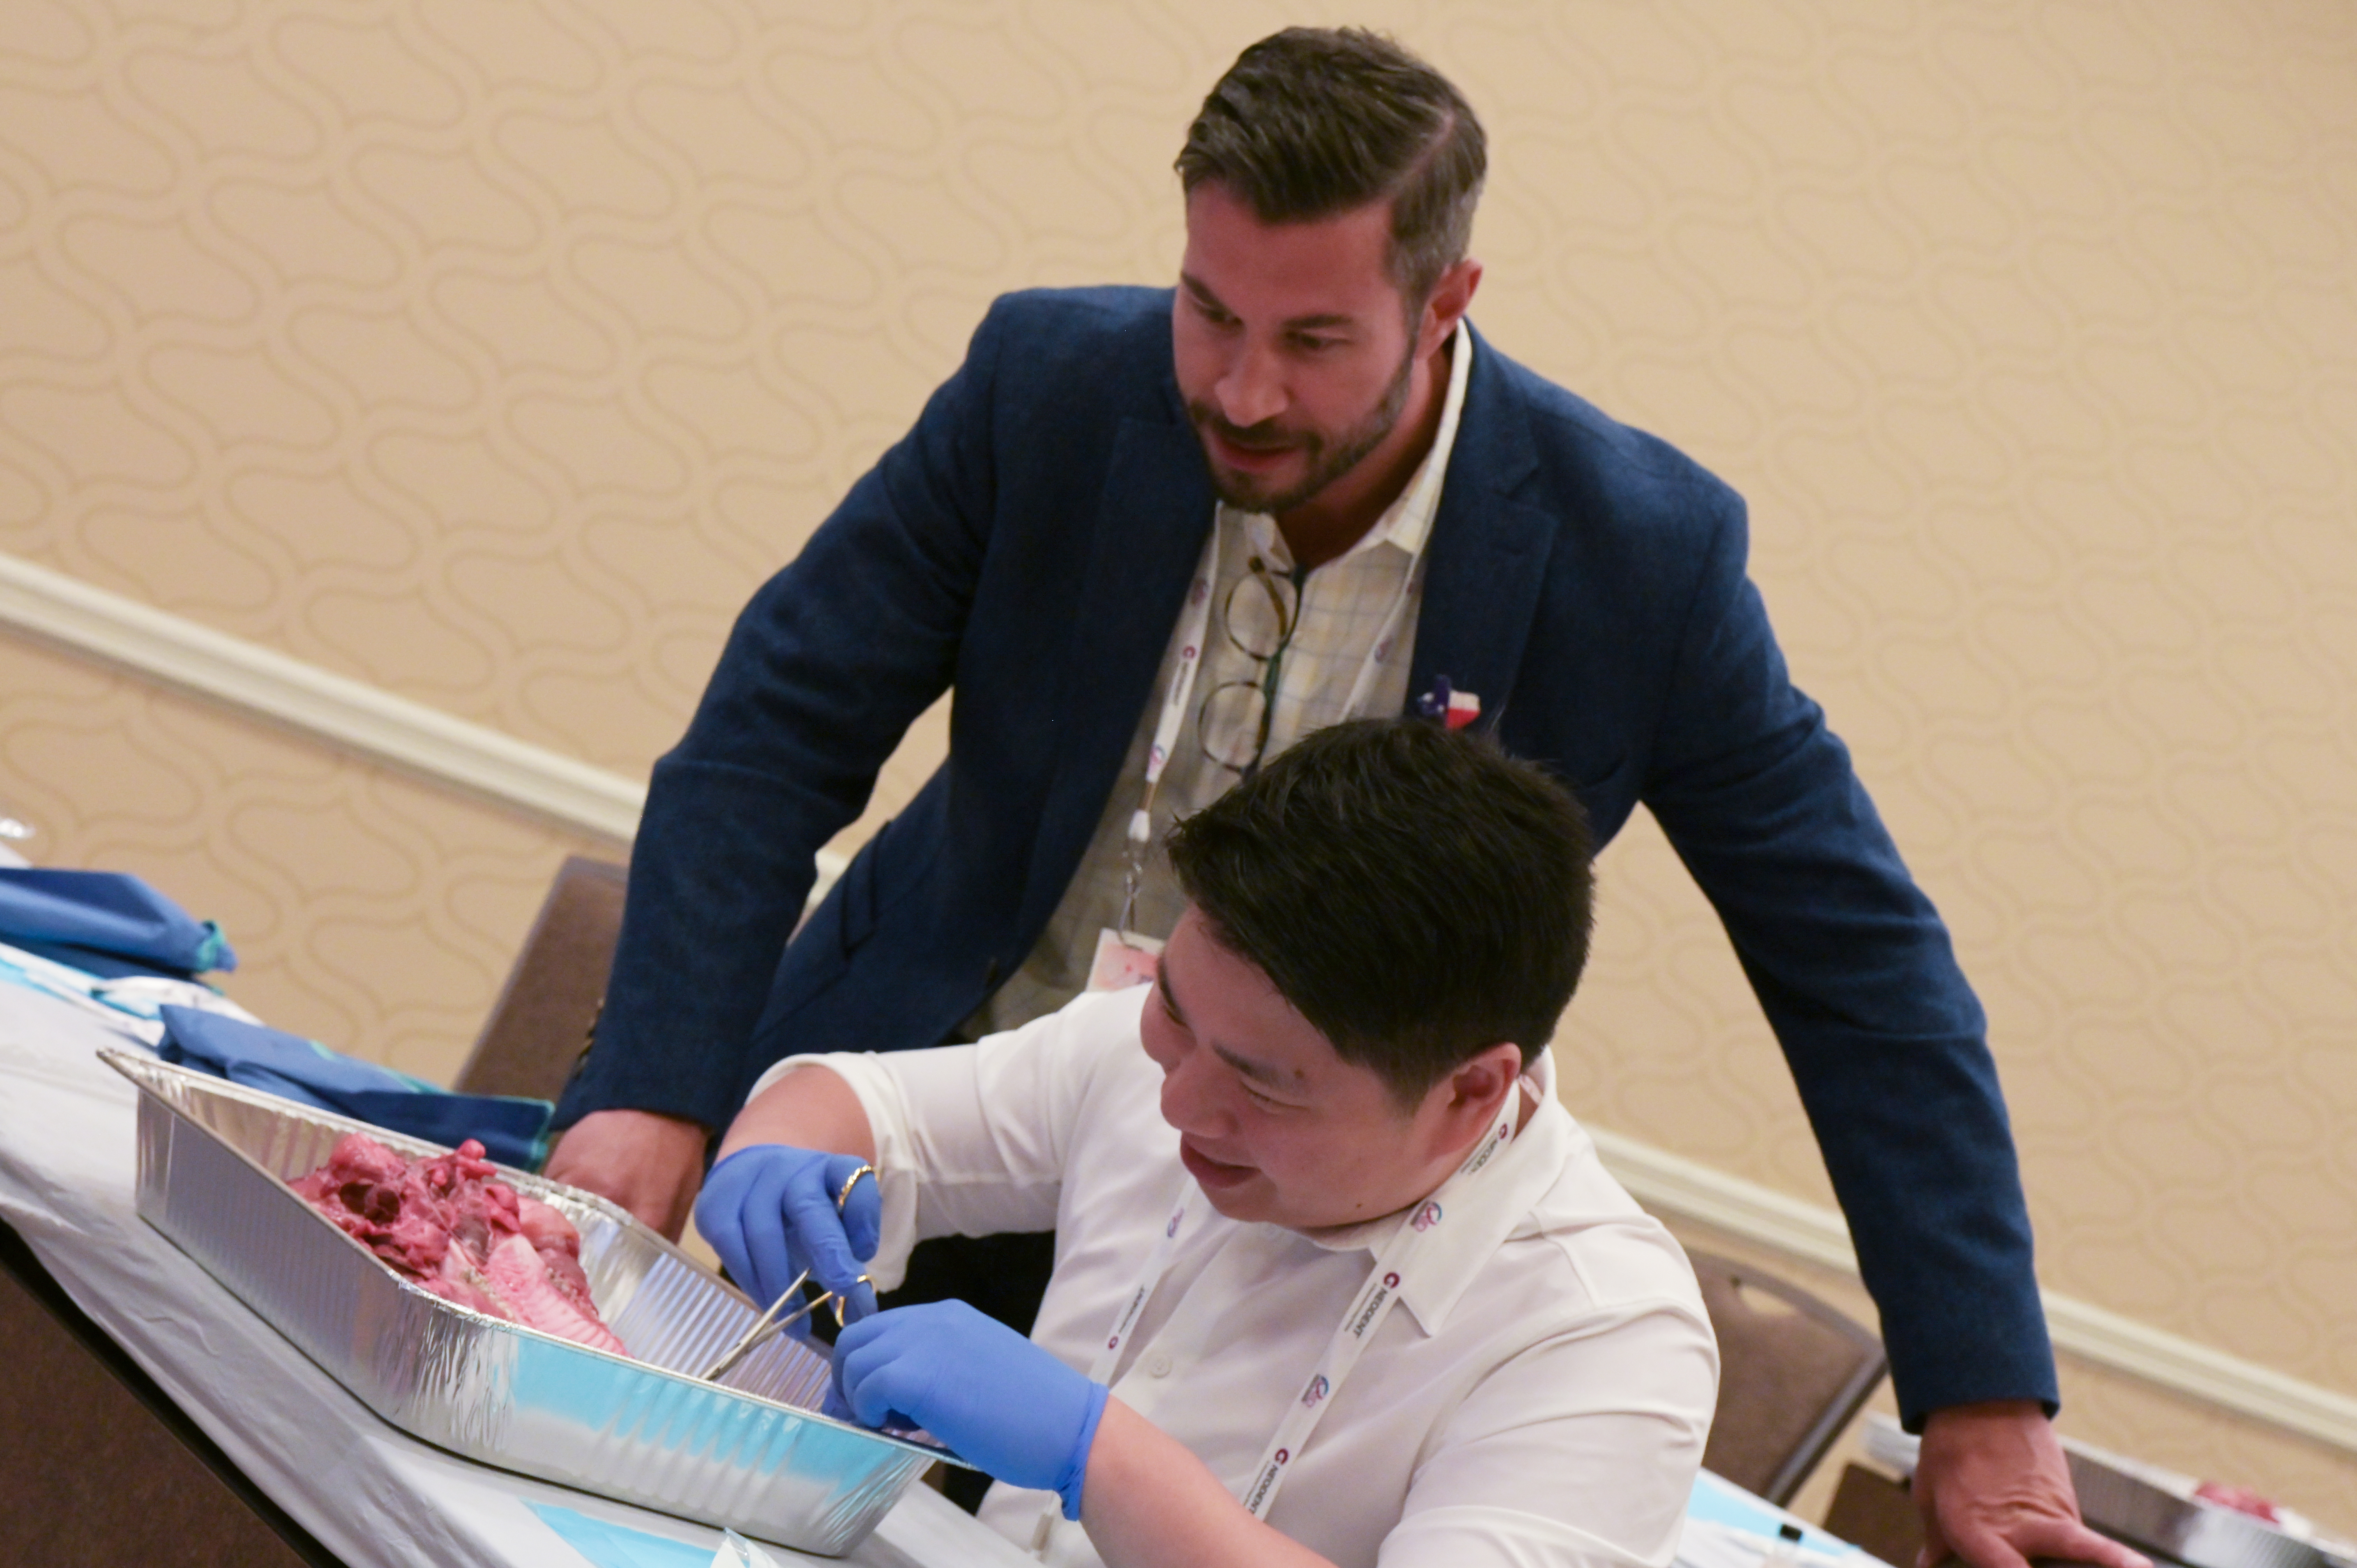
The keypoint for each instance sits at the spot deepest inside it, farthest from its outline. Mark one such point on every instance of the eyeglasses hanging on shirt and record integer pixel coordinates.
(1262, 611)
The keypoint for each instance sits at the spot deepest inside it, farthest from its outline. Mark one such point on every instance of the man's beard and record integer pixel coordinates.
(1327, 464)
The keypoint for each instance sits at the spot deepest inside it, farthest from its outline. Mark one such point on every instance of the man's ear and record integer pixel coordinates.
(1481, 1086)
(1452, 297)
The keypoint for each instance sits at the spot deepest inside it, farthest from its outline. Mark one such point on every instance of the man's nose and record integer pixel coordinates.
(1253, 390)
(1190, 1100)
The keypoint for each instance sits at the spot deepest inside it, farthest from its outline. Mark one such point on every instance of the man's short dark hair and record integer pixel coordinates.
(1415, 894)
(1314, 122)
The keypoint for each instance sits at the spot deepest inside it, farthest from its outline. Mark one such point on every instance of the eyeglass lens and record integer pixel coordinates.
(1233, 725)
(1260, 610)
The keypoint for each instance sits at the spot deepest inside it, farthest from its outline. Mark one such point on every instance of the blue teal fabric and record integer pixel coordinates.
(1028, 544)
(107, 923)
(513, 1130)
(618, 1545)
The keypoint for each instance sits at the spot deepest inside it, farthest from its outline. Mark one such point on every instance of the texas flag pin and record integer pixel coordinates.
(1454, 708)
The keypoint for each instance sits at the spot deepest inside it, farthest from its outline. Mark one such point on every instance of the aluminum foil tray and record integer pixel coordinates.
(751, 1453)
(2182, 1529)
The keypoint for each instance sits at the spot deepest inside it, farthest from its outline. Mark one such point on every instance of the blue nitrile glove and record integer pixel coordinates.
(769, 1212)
(1001, 1402)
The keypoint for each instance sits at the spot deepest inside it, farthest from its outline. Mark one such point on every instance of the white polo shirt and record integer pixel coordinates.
(1541, 1393)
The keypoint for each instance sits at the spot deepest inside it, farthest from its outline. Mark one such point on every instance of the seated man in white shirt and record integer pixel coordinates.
(1337, 1278)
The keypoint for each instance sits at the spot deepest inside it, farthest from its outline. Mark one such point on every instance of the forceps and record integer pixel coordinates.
(770, 1323)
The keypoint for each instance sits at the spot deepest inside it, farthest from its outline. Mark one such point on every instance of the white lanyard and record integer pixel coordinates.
(1195, 627)
(1393, 1266)
(1157, 1263)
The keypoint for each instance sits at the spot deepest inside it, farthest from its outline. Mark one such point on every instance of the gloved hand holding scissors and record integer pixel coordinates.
(771, 1210)
(1003, 1405)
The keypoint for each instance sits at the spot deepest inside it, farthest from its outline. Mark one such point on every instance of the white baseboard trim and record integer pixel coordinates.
(353, 716)
(1811, 1233)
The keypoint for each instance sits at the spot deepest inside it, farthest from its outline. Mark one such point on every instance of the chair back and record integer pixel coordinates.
(1792, 1371)
(540, 1026)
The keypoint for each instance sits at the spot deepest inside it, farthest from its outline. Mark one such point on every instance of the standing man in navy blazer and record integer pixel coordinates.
(1147, 538)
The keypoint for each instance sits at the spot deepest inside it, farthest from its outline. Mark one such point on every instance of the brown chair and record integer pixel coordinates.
(1875, 1514)
(1792, 1371)
(540, 1026)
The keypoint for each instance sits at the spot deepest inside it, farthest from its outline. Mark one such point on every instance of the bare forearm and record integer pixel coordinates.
(810, 1108)
(1150, 1503)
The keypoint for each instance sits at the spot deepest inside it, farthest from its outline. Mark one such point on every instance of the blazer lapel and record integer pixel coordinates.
(1152, 519)
(1486, 559)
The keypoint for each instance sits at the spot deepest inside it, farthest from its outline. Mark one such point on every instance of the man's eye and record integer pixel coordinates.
(1261, 1101)
(1317, 345)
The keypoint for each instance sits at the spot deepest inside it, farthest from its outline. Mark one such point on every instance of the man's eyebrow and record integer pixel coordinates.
(1259, 1072)
(1201, 291)
(1319, 321)
(1169, 997)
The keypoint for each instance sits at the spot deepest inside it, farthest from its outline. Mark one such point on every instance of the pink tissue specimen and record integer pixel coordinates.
(2242, 1500)
(451, 1226)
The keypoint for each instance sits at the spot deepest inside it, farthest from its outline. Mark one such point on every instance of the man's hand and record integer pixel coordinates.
(1006, 1405)
(651, 1165)
(1994, 1489)
(771, 1213)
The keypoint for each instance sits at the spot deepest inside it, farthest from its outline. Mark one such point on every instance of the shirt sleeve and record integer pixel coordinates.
(972, 1140)
(1599, 1478)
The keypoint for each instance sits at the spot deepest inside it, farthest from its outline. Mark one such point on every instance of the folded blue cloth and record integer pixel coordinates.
(512, 1128)
(109, 915)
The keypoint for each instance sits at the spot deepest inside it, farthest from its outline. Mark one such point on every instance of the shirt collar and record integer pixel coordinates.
(1406, 523)
(1484, 1216)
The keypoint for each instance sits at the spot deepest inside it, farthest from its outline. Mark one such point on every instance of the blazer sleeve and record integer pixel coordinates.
(823, 672)
(1855, 973)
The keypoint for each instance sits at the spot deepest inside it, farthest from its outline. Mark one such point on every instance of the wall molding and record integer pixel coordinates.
(346, 714)
(1811, 1233)
(353, 716)
(349, 715)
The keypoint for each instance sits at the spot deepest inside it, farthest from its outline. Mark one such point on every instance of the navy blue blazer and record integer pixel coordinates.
(1027, 545)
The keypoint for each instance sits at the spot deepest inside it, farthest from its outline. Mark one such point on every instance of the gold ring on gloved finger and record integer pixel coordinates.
(840, 1298)
(851, 1181)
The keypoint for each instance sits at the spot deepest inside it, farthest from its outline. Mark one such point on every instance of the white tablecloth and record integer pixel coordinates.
(370, 1493)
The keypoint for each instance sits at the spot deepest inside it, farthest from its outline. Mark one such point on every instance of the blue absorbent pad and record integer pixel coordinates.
(618, 1545)
(513, 1130)
(110, 913)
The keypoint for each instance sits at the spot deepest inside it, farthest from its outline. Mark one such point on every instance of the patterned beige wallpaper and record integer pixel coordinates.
(492, 351)
(367, 910)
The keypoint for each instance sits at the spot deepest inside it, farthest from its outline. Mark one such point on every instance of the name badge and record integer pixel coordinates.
(1124, 959)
